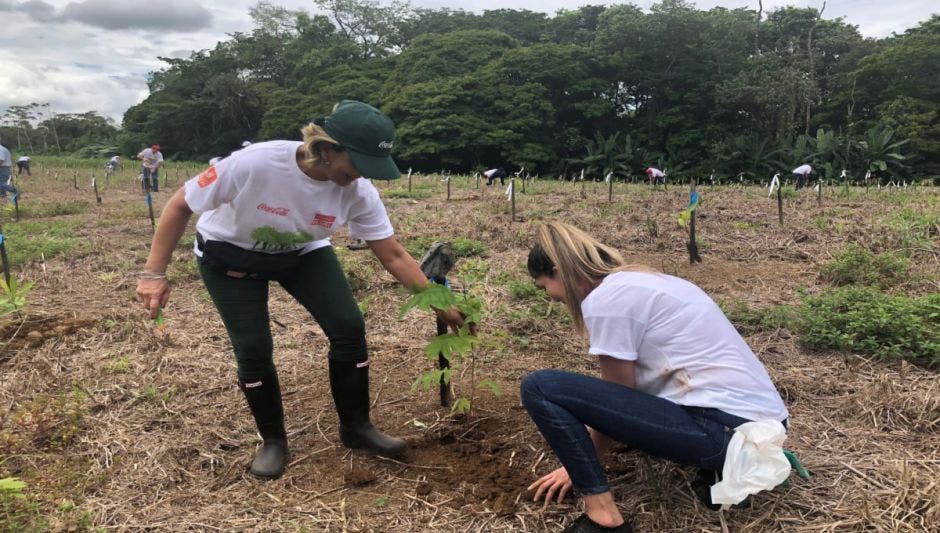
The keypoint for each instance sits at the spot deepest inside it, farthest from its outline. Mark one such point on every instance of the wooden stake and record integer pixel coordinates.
(409, 180)
(443, 364)
(3, 257)
(94, 185)
(448, 188)
(694, 257)
(610, 188)
(780, 204)
(512, 197)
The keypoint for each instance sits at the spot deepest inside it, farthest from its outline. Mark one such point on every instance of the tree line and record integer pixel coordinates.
(603, 88)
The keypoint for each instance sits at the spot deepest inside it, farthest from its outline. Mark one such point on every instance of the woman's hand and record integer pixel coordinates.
(452, 317)
(555, 483)
(154, 293)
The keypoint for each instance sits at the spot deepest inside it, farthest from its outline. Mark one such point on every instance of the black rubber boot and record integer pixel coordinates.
(349, 382)
(583, 524)
(264, 399)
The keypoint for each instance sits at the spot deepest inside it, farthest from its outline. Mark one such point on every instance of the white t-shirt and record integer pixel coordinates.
(115, 160)
(259, 199)
(685, 349)
(656, 173)
(23, 159)
(150, 158)
(490, 172)
(5, 157)
(803, 169)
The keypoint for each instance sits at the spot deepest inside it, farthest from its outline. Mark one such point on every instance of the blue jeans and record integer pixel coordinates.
(154, 179)
(5, 186)
(562, 403)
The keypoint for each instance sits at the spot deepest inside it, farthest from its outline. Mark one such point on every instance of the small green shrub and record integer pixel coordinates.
(71, 207)
(118, 366)
(524, 290)
(748, 320)
(18, 510)
(32, 241)
(857, 266)
(864, 320)
(45, 421)
(913, 228)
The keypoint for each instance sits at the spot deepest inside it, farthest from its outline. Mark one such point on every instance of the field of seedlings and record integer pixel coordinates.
(109, 422)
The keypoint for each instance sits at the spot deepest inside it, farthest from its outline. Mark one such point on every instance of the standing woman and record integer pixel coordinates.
(266, 214)
(676, 377)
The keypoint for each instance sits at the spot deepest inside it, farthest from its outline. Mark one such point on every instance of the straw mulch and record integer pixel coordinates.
(143, 431)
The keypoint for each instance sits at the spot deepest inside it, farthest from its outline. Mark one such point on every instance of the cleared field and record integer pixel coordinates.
(112, 426)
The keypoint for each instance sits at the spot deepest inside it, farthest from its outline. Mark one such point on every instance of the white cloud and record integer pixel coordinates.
(172, 15)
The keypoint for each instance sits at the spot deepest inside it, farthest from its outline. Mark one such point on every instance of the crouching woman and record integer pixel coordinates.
(676, 378)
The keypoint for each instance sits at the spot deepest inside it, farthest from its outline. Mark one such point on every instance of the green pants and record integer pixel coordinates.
(318, 284)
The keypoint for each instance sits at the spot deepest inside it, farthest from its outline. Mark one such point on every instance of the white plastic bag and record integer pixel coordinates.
(754, 462)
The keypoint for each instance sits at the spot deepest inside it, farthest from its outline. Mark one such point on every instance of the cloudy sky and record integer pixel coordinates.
(96, 54)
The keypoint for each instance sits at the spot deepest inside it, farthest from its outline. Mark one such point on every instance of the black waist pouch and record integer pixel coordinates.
(235, 261)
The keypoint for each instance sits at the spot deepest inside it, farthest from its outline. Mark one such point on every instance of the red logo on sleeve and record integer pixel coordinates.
(207, 178)
(323, 220)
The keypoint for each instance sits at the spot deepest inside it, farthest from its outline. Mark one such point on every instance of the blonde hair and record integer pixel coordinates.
(581, 260)
(314, 135)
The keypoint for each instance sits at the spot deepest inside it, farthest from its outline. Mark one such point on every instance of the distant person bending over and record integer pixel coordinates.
(656, 176)
(23, 164)
(112, 165)
(151, 160)
(801, 173)
(6, 168)
(676, 378)
(267, 214)
(494, 173)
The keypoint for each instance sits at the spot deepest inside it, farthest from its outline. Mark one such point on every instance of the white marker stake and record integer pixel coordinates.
(509, 189)
(774, 184)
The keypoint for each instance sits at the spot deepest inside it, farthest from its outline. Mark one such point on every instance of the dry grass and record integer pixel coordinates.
(149, 433)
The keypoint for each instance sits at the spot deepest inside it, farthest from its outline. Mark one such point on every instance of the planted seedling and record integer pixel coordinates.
(452, 347)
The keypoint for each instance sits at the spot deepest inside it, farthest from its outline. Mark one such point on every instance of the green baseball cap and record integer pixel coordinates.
(367, 134)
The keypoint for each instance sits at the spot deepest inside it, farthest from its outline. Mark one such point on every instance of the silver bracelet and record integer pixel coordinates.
(143, 274)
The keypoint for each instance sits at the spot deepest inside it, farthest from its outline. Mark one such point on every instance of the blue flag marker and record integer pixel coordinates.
(686, 213)
(149, 200)
(1, 238)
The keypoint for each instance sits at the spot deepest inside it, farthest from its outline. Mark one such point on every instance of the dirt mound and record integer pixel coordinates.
(477, 465)
(35, 330)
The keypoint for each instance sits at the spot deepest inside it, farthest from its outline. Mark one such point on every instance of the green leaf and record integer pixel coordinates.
(461, 405)
(12, 485)
(684, 217)
(431, 297)
(431, 378)
(449, 344)
(495, 388)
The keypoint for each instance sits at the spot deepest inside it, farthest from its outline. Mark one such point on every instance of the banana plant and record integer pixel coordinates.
(881, 150)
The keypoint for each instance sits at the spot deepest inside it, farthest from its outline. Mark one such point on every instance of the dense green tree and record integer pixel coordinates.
(600, 86)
